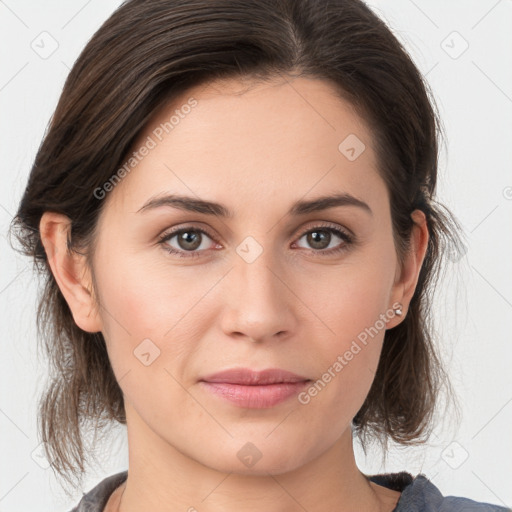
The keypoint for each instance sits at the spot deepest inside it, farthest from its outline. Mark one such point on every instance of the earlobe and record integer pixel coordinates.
(404, 288)
(70, 271)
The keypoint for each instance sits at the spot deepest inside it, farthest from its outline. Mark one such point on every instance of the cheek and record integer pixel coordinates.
(139, 314)
(145, 310)
(144, 298)
(353, 300)
(355, 306)
(348, 366)
(129, 307)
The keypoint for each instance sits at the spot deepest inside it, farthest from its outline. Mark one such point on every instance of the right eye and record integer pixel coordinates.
(189, 240)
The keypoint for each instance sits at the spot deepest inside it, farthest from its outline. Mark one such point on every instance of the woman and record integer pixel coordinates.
(234, 208)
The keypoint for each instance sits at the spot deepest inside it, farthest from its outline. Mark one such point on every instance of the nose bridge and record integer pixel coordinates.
(257, 271)
(260, 298)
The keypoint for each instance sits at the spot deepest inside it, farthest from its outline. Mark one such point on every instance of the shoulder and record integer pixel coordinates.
(419, 494)
(96, 499)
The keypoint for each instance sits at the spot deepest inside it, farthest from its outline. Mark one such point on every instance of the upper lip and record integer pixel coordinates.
(252, 377)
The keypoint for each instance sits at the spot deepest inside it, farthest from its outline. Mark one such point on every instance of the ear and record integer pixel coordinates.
(408, 274)
(70, 270)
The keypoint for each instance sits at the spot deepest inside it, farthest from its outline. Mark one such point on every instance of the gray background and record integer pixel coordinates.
(473, 89)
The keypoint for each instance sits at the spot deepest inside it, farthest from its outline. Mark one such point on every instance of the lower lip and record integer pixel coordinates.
(255, 397)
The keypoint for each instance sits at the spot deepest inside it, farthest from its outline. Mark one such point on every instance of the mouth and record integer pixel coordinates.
(254, 389)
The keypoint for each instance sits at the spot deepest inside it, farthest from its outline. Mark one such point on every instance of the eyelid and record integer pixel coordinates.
(325, 224)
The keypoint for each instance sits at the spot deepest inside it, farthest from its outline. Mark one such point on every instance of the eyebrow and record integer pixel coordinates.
(300, 207)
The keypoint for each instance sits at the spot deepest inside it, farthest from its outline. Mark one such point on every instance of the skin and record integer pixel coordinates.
(256, 150)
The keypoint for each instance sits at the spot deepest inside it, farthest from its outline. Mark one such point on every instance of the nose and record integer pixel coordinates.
(259, 301)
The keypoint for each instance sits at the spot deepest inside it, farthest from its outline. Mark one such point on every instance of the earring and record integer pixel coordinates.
(398, 310)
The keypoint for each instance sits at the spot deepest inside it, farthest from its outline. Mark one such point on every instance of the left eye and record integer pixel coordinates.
(317, 237)
(191, 239)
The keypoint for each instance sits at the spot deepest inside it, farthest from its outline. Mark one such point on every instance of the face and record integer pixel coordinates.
(185, 294)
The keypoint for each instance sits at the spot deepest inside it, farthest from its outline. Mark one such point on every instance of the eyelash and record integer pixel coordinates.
(348, 240)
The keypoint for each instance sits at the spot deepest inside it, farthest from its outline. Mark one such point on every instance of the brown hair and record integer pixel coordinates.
(143, 56)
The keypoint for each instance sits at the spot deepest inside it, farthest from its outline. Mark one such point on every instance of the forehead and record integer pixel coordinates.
(245, 143)
(260, 109)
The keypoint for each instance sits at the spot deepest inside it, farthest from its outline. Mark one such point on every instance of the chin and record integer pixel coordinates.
(259, 458)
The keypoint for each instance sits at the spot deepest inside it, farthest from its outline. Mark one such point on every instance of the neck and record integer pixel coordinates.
(162, 478)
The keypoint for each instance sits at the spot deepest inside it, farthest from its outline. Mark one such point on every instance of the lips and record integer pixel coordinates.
(248, 388)
(248, 377)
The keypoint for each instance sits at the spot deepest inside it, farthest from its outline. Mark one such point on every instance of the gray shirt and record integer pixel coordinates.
(419, 494)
